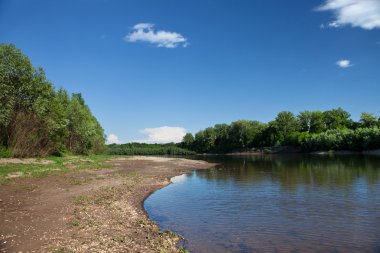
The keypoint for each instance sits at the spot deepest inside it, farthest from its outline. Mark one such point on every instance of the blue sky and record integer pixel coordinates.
(145, 64)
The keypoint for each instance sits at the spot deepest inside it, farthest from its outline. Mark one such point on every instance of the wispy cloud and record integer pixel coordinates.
(112, 138)
(334, 24)
(357, 13)
(163, 134)
(145, 32)
(344, 64)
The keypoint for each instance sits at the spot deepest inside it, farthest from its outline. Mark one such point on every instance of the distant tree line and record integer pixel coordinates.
(308, 131)
(147, 149)
(36, 119)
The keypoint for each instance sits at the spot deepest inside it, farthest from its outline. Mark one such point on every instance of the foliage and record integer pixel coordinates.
(369, 120)
(311, 121)
(5, 152)
(285, 124)
(36, 120)
(309, 131)
(147, 149)
(343, 139)
(188, 140)
(336, 119)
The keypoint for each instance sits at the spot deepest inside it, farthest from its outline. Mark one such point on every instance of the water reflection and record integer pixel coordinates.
(292, 171)
(275, 204)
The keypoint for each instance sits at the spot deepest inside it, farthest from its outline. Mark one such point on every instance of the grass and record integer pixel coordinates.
(74, 223)
(5, 152)
(81, 200)
(79, 180)
(62, 250)
(56, 165)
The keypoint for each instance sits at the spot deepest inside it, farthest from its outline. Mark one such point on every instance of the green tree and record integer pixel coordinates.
(337, 119)
(200, 142)
(285, 124)
(240, 135)
(188, 140)
(222, 138)
(311, 121)
(20, 86)
(37, 120)
(317, 123)
(305, 121)
(368, 120)
(85, 132)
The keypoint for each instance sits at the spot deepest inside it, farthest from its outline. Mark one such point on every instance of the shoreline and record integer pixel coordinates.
(292, 152)
(98, 210)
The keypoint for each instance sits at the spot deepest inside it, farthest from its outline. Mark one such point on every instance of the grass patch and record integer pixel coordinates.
(79, 180)
(62, 250)
(57, 165)
(105, 195)
(5, 152)
(81, 200)
(73, 223)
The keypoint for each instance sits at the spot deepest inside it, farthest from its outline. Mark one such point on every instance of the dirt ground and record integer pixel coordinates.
(89, 211)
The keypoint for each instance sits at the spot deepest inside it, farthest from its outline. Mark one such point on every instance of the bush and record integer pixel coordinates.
(343, 139)
(5, 152)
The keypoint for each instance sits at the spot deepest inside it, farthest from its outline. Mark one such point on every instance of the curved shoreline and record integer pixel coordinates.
(98, 210)
(169, 182)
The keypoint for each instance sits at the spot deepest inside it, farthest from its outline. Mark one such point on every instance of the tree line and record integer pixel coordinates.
(307, 131)
(147, 149)
(38, 120)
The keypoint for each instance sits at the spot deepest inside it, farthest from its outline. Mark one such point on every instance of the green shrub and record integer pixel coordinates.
(5, 152)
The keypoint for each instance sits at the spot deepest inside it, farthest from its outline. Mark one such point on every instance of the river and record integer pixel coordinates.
(275, 203)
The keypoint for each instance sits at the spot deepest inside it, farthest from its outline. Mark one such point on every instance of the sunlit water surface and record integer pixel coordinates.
(275, 204)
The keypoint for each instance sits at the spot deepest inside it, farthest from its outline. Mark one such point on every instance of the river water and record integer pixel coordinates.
(275, 203)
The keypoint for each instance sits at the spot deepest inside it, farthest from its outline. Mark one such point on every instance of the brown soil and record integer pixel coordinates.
(89, 211)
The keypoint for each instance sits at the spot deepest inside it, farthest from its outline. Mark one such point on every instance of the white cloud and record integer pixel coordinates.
(143, 26)
(112, 138)
(334, 24)
(163, 134)
(357, 13)
(344, 64)
(145, 32)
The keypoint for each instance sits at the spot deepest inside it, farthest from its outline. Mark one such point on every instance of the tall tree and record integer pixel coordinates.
(222, 137)
(188, 140)
(37, 120)
(286, 124)
(305, 121)
(317, 124)
(368, 120)
(337, 119)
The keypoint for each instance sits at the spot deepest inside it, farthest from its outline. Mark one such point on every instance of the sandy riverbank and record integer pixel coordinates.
(89, 211)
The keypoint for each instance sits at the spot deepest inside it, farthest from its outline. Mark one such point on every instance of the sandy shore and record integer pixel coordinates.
(89, 211)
